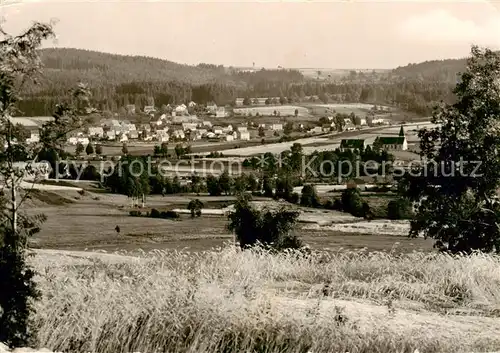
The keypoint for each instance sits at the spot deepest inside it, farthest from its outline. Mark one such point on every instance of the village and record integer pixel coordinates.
(264, 119)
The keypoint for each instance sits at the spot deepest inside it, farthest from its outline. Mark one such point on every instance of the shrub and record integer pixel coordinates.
(169, 214)
(195, 207)
(399, 209)
(265, 227)
(309, 197)
(155, 213)
(352, 202)
(294, 198)
(135, 213)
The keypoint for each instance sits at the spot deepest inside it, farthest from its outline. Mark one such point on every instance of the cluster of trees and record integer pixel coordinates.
(290, 163)
(89, 149)
(269, 228)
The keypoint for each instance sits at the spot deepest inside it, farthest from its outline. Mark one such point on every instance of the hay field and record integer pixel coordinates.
(227, 300)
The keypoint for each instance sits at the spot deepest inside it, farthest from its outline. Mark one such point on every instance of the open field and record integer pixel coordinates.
(228, 300)
(284, 110)
(88, 222)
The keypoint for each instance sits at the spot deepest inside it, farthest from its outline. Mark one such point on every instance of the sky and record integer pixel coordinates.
(294, 34)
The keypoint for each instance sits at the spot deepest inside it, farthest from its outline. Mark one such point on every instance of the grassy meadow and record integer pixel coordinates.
(227, 300)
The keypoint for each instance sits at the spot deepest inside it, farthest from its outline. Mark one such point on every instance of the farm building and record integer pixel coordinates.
(352, 144)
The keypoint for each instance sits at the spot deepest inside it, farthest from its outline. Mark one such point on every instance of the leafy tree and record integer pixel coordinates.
(157, 150)
(288, 128)
(296, 113)
(98, 150)
(179, 150)
(262, 132)
(268, 186)
(399, 209)
(213, 186)
(247, 101)
(240, 184)
(283, 100)
(252, 182)
(131, 179)
(79, 149)
(352, 202)
(164, 149)
(124, 149)
(284, 187)
(19, 66)
(89, 149)
(273, 229)
(309, 197)
(195, 207)
(456, 187)
(195, 183)
(225, 182)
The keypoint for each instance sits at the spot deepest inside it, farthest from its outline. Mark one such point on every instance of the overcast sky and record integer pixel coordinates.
(355, 34)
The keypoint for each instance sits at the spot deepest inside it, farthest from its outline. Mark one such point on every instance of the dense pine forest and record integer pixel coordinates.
(118, 80)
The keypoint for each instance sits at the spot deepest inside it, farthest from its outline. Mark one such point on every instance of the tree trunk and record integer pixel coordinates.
(14, 205)
(143, 200)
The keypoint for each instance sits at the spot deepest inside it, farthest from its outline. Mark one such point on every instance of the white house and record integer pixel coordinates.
(228, 128)
(212, 107)
(110, 135)
(244, 135)
(217, 130)
(162, 136)
(133, 135)
(316, 130)
(181, 109)
(241, 128)
(207, 124)
(123, 138)
(277, 127)
(96, 131)
(149, 109)
(76, 140)
(130, 127)
(178, 134)
(221, 112)
(189, 126)
(191, 104)
(34, 137)
(229, 138)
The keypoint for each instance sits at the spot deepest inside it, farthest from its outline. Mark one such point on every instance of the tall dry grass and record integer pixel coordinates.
(229, 300)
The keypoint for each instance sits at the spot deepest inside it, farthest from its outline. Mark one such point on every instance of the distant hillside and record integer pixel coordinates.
(72, 65)
(435, 70)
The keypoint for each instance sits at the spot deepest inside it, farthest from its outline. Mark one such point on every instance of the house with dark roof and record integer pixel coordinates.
(352, 144)
(392, 143)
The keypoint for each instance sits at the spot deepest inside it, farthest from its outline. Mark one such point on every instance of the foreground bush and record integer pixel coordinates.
(266, 227)
(235, 301)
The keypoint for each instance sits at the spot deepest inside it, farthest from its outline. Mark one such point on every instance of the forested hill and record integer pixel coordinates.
(436, 70)
(66, 65)
(96, 68)
(117, 81)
